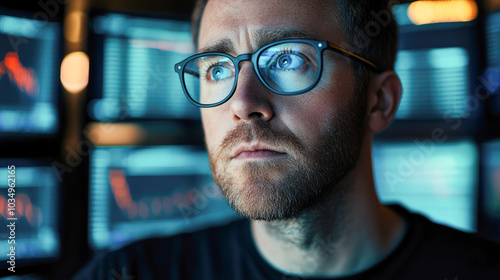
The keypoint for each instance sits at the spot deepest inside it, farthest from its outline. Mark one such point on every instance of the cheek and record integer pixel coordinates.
(306, 117)
(313, 113)
(335, 90)
(213, 127)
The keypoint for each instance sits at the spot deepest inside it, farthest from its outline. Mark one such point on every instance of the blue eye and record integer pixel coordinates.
(288, 62)
(217, 73)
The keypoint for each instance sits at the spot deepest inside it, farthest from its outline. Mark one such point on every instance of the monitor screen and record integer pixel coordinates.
(133, 73)
(435, 83)
(490, 80)
(139, 192)
(437, 65)
(29, 76)
(493, 39)
(491, 191)
(438, 180)
(29, 205)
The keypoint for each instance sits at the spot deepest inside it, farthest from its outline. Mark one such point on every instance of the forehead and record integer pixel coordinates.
(242, 22)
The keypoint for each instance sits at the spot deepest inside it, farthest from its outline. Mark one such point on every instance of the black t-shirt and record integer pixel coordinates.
(428, 251)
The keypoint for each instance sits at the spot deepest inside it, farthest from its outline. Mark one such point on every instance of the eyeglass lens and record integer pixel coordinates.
(287, 68)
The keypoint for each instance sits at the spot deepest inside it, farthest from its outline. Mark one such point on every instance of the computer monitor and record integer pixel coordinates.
(438, 180)
(140, 192)
(132, 60)
(437, 65)
(435, 83)
(491, 190)
(493, 39)
(29, 76)
(490, 79)
(31, 210)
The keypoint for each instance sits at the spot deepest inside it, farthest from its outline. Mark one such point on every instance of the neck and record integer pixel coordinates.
(347, 232)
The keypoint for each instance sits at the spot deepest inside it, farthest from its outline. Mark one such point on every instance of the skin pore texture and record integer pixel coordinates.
(300, 166)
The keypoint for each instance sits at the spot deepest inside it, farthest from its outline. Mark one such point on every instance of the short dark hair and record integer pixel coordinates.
(369, 26)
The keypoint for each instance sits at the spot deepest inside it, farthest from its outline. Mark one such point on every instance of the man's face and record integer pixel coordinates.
(273, 155)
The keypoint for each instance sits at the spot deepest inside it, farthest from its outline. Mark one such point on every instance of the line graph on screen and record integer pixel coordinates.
(24, 78)
(24, 208)
(144, 206)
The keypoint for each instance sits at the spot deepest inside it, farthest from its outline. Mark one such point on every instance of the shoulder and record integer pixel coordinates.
(436, 237)
(154, 258)
(448, 252)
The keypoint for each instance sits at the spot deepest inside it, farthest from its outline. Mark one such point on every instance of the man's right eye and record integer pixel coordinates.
(218, 73)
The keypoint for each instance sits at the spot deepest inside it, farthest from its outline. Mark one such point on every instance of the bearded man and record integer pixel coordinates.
(291, 93)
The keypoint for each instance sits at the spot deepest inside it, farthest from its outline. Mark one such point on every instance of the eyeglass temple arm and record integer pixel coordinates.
(197, 75)
(353, 55)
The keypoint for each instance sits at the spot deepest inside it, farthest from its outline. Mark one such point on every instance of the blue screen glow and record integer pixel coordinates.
(437, 180)
(29, 75)
(36, 201)
(139, 192)
(491, 157)
(493, 39)
(138, 77)
(435, 83)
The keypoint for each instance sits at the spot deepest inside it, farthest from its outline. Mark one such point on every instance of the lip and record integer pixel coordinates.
(256, 151)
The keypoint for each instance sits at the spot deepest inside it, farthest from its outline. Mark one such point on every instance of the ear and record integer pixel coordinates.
(384, 96)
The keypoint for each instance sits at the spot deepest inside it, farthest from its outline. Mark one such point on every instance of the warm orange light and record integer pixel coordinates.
(75, 72)
(492, 5)
(74, 27)
(107, 134)
(425, 12)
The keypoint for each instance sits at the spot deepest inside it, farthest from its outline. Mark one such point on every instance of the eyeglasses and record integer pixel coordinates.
(287, 67)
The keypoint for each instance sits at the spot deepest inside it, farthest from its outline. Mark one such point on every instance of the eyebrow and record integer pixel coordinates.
(221, 46)
(267, 36)
(262, 37)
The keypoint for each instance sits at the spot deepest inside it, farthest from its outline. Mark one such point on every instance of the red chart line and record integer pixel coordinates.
(23, 77)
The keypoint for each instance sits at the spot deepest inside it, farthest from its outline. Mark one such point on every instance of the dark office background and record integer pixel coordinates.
(108, 150)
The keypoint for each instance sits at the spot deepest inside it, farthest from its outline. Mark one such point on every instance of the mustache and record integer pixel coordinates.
(259, 130)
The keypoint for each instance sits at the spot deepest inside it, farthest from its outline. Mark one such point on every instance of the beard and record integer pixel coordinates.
(284, 187)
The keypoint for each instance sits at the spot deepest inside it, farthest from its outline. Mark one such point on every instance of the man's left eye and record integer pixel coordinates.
(288, 62)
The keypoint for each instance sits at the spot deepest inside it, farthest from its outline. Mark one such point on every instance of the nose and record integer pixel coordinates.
(251, 99)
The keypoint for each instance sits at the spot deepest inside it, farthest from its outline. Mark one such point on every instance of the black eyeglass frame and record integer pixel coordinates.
(320, 46)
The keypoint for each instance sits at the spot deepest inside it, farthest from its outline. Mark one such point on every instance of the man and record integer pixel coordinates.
(292, 93)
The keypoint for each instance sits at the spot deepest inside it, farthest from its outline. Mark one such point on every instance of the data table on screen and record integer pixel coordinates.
(135, 77)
